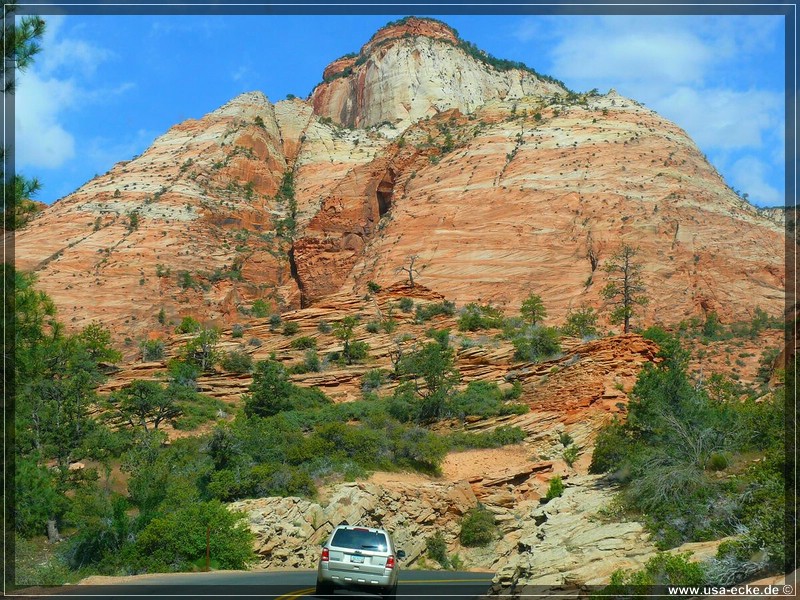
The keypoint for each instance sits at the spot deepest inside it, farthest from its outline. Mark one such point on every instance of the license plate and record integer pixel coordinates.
(356, 559)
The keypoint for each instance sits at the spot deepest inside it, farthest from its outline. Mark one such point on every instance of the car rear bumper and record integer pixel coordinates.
(353, 579)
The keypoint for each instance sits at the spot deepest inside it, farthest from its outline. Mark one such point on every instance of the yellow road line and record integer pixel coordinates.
(296, 594)
(404, 581)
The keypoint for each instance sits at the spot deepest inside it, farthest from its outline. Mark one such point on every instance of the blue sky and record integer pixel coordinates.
(104, 87)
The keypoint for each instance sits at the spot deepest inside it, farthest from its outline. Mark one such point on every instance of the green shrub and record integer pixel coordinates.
(177, 540)
(425, 312)
(389, 324)
(304, 343)
(406, 304)
(504, 435)
(570, 455)
(555, 488)
(478, 527)
(291, 328)
(183, 373)
(358, 350)
(373, 327)
(311, 361)
(188, 325)
(324, 327)
(565, 439)
(197, 409)
(660, 571)
(533, 310)
(437, 549)
(186, 281)
(474, 317)
(536, 343)
(152, 350)
(581, 323)
(237, 331)
(260, 309)
(372, 380)
(482, 399)
(271, 392)
(237, 361)
(717, 462)
(373, 287)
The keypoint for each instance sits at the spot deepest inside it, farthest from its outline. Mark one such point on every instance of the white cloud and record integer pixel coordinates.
(241, 73)
(103, 152)
(723, 118)
(57, 82)
(665, 57)
(41, 140)
(718, 77)
(749, 174)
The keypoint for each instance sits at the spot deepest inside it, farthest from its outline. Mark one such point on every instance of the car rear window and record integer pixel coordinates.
(360, 540)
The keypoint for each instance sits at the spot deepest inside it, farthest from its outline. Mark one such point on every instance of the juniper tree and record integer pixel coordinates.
(625, 288)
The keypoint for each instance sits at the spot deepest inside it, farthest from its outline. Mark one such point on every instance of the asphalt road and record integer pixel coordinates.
(277, 585)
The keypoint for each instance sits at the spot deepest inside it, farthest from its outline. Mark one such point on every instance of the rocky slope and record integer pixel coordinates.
(414, 69)
(499, 180)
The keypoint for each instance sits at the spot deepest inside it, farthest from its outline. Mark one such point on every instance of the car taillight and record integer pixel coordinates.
(390, 562)
(326, 555)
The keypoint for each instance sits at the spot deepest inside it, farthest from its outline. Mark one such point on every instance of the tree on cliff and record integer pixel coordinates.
(625, 288)
(409, 269)
(533, 310)
(20, 39)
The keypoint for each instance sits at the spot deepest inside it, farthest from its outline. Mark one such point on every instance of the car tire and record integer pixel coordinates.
(324, 588)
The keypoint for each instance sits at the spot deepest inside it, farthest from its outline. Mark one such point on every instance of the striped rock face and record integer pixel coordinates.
(499, 182)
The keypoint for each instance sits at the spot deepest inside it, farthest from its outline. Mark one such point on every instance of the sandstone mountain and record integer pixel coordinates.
(499, 180)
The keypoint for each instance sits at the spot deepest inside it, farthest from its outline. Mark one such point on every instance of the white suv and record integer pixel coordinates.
(359, 558)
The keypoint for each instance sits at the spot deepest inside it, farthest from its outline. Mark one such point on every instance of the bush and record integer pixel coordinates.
(581, 323)
(474, 317)
(358, 350)
(236, 361)
(478, 527)
(570, 455)
(152, 350)
(389, 324)
(406, 304)
(373, 327)
(237, 331)
(260, 309)
(177, 540)
(186, 281)
(271, 392)
(183, 373)
(303, 343)
(311, 361)
(437, 549)
(291, 328)
(536, 343)
(661, 570)
(555, 488)
(188, 325)
(501, 436)
(373, 287)
(372, 380)
(482, 399)
(425, 312)
(324, 327)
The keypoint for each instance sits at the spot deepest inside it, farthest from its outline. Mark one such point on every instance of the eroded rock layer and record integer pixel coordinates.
(499, 181)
